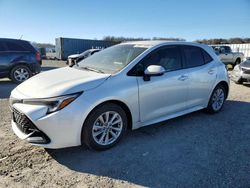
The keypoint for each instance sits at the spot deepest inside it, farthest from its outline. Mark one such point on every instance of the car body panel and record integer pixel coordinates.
(171, 91)
(52, 83)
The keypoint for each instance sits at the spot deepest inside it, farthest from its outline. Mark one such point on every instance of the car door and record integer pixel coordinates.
(166, 94)
(202, 72)
(4, 59)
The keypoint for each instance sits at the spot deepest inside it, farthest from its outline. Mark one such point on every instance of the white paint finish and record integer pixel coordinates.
(163, 97)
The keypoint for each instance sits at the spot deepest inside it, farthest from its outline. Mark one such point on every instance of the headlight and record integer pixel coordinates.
(53, 103)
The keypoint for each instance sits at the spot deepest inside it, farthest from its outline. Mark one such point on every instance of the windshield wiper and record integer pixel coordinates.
(92, 69)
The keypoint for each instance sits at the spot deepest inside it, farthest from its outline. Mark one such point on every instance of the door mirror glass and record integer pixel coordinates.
(154, 70)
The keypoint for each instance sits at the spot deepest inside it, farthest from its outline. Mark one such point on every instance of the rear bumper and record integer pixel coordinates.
(35, 68)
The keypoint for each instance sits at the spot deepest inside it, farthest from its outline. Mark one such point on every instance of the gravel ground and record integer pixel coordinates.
(196, 150)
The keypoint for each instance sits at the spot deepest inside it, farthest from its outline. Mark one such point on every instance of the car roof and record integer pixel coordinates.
(151, 43)
(9, 39)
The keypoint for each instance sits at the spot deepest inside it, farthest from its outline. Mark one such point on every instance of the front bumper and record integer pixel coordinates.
(35, 68)
(56, 130)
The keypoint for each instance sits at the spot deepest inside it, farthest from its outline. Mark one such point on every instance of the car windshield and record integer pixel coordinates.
(84, 53)
(112, 59)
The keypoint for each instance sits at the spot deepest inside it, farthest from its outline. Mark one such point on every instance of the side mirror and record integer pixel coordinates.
(153, 70)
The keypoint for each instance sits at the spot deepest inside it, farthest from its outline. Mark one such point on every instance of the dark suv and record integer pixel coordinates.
(19, 60)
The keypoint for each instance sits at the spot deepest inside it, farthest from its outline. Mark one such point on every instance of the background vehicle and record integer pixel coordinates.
(227, 56)
(241, 72)
(19, 60)
(129, 85)
(72, 59)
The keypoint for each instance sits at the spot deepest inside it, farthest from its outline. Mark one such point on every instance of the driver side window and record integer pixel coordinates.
(168, 57)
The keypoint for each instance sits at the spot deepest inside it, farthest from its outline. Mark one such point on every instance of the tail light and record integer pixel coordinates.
(38, 57)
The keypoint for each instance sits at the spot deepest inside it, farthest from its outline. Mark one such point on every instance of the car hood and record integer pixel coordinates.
(73, 56)
(60, 82)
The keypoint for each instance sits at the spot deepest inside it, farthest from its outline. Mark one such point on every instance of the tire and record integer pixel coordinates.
(20, 73)
(100, 134)
(217, 99)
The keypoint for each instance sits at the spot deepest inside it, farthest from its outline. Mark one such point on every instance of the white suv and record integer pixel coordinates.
(126, 86)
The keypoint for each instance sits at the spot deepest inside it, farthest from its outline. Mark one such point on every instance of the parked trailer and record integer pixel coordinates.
(69, 46)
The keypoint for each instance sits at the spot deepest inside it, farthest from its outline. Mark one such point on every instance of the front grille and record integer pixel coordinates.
(22, 122)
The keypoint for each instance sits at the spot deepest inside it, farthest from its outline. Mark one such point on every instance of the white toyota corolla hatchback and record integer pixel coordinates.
(126, 86)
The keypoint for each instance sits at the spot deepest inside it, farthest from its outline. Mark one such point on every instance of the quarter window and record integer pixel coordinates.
(193, 56)
(206, 56)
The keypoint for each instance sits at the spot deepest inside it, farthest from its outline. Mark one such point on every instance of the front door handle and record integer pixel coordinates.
(183, 78)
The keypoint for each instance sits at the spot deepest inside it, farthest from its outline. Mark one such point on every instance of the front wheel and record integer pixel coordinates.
(217, 99)
(104, 127)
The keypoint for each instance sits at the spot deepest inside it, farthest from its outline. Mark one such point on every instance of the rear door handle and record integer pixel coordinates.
(183, 78)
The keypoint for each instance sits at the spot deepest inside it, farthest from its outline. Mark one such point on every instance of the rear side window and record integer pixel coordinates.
(12, 46)
(28, 46)
(2, 47)
(193, 56)
(206, 56)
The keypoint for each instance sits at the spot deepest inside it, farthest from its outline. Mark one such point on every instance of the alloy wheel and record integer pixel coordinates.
(21, 74)
(218, 99)
(107, 128)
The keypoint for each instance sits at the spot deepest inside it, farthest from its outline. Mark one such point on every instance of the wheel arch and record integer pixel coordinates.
(225, 85)
(23, 63)
(119, 103)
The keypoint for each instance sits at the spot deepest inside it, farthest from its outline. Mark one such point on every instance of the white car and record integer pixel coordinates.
(126, 86)
(75, 58)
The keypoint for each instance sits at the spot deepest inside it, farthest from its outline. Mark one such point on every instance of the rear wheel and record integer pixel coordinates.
(20, 73)
(104, 127)
(217, 99)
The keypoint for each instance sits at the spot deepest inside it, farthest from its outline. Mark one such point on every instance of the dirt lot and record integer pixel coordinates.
(196, 150)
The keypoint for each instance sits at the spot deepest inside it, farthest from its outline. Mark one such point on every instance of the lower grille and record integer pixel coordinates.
(25, 125)
(22, 122)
